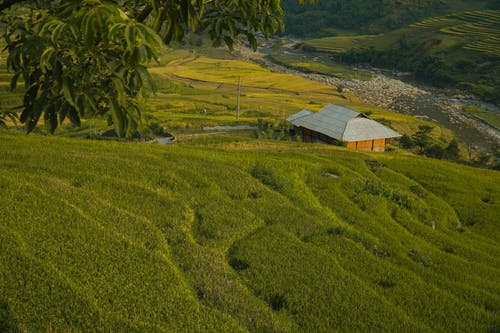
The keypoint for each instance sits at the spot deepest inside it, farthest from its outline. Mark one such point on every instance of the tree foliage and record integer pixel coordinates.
(88, 58)
(421, 138)
(90, 63)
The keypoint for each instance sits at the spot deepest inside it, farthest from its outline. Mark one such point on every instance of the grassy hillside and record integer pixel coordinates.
(248, 236)
(459, 50)
(190, 83)
(196, 88)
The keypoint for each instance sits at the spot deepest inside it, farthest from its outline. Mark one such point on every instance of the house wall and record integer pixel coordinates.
(315, 137)
(352, 145)
(370, 145)
(379, 145)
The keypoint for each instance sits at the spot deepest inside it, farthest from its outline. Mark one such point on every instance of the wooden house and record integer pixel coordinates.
(334, 124)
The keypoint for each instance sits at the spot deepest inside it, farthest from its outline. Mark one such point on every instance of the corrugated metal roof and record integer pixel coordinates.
(342, 123)
(299, 114)
(339, 111)
(360, 129)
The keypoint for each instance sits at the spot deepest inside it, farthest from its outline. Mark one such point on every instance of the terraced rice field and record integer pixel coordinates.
(480, 29)
(434, 22)
(195, 90)
(477, 30)
(341, 44)
(250, 236)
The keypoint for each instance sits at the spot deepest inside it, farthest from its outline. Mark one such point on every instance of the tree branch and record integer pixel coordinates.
(144, 13)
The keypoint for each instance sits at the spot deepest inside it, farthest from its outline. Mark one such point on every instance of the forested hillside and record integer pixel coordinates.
(368, 16)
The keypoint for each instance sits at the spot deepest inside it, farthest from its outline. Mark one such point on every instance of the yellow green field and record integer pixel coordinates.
(194, 90)
(245, 236)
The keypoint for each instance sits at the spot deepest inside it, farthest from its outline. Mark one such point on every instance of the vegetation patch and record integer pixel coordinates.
(386, 284)
(238, 264)
(277, 302)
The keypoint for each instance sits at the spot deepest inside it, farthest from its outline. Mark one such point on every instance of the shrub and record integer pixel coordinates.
(435, 151)
(421, 138)
(406, 142)
(452, 152)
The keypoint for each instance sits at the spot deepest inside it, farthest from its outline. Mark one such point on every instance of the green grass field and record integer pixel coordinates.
(224, 233)
(243, 236)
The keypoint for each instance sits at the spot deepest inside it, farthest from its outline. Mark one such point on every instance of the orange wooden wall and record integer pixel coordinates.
(372, 145)
(375, 145)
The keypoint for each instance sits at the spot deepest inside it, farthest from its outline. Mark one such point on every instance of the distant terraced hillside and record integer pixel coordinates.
(480, 29)
(468, 30)
(251, 236)
(460, 50)
(327, 17)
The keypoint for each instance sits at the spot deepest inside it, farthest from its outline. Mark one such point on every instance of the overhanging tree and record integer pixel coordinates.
(91, 63)
(88, 58)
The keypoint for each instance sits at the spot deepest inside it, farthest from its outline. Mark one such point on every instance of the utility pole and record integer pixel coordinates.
(238, 99)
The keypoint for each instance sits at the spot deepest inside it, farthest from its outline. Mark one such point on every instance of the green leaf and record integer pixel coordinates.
(47, 59)
(119, 89)
(118, 118)
(146, 80)
(13, 81)
(50, 117)
(72, 114)
(67, 91)
(130, 37)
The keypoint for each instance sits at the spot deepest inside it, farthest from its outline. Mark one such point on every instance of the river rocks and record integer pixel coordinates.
(384, 92)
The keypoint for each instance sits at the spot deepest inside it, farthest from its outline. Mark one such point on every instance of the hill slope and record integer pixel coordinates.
(458, 50)
(251, 236)
(368, 16)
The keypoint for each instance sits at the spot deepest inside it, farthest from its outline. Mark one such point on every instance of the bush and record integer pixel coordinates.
(421, 138)
(406, 142)
(435, 151)
(452, 152)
